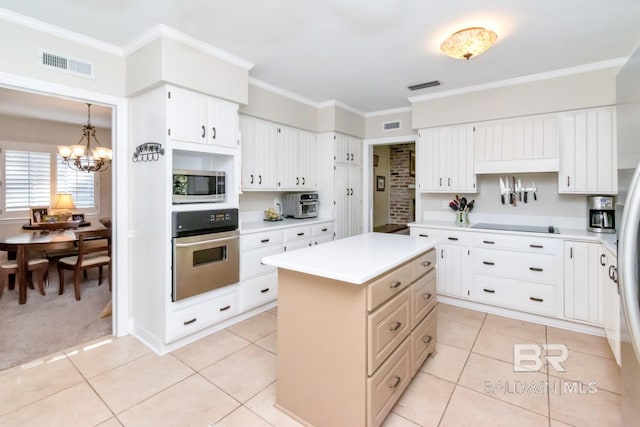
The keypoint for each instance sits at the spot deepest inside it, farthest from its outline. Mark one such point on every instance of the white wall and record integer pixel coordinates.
(373, 125)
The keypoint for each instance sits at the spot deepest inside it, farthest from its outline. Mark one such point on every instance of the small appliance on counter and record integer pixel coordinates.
(602, 214)
(300, 205)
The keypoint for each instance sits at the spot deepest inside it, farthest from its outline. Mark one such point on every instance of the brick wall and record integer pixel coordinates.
(401, 198)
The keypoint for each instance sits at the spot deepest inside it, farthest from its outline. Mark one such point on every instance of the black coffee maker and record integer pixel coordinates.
(602, 214)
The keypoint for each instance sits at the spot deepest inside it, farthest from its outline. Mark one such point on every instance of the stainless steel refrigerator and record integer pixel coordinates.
(628, 130)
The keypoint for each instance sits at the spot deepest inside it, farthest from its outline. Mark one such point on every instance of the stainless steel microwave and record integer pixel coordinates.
(191, 186)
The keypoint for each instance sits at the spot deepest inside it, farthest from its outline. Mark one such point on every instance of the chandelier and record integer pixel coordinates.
(468, 42)
(82, 157)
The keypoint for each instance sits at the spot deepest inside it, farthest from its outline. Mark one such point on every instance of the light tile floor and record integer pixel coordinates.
(228, 379)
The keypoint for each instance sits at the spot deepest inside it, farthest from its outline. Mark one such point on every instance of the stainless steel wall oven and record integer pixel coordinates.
(206, 251)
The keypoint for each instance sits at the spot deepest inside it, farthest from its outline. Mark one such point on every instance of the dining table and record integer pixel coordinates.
(23, 244)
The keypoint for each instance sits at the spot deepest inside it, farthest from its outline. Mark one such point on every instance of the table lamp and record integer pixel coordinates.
(63, 203)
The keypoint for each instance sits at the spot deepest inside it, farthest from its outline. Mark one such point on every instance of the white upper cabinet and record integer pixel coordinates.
(348, 149)
(523, 144)
(194, 117)
(444, 160)
(588, 155)
(276, 157)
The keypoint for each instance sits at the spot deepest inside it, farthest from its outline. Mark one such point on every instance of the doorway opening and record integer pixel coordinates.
(34, 122)
(393, 189)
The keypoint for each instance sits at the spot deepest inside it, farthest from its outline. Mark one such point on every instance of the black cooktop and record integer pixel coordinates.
(514, 227)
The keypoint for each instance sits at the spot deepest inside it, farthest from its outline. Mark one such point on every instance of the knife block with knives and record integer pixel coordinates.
(515, 191)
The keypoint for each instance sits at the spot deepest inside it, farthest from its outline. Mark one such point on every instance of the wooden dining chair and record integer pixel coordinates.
(37, 265)
(94, 251)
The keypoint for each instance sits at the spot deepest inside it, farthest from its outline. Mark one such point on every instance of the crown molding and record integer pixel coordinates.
(389, 112)
(160, 30)
(338, 104)
(595, 66)
(282, 92)
(53, 30)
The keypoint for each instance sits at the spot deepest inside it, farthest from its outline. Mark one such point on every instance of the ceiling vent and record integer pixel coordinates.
(66, 64)
(391, 126)
(424, 85)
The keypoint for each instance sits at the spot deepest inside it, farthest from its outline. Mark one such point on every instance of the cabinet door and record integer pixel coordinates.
(187, 115)
(222, 123)
(428, 161)
(610, 307)
(355, 200)
(462, 174)
(307, 160)
(287, 161)
(588, 163)
(341, 149)
(342, 199)
(258, 154)
(453, 270)
(581, 285)
(355, 151)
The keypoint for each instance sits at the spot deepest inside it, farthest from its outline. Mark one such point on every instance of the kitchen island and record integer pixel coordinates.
(356, 319)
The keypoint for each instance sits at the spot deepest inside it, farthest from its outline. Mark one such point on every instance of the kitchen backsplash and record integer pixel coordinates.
(568, 208)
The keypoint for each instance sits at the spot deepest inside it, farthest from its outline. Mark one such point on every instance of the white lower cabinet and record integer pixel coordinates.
(453, 272)
(581, 284)
(190, 319)
(258, 291)
(610, 302)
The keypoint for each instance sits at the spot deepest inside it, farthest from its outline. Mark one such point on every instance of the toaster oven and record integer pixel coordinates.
(300, 205)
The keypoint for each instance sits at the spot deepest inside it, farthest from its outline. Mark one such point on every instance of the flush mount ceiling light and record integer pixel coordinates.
(83, 157)
(468, 42)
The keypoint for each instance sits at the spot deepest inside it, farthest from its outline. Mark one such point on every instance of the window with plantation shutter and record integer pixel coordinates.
(79, 184)
(27, 179)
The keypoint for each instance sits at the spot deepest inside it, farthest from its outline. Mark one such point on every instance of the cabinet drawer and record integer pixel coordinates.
(387, 327)
(322, 229)
(190, 319)
(387, 286)
(529, 244)
(423, 340)
(429, 233)
(538, 268)
(251, 261)
(259, 240)
(386, 386)
(297, 233)
(258, 291)
(515, 294)
(423, 264)
(423, 297)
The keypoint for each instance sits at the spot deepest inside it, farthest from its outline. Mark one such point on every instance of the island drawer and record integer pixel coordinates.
(423, 297)
(386, 386)
(259, 240)
(539, 268)
(423, 340)
(387, 327)
(423, 263)
(510, 293)
(387, 286)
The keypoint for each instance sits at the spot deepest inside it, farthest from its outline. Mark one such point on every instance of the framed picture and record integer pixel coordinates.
(77, 217)
(39, 214)
(380, 183)
(412, 163)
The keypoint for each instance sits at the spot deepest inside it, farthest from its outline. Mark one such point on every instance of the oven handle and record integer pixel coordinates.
(186, 245)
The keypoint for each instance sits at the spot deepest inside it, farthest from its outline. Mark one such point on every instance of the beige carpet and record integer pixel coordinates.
(50, 323)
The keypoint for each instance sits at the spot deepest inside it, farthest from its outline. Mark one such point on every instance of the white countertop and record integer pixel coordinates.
(564, 233)
(256, 226)
(356, 259)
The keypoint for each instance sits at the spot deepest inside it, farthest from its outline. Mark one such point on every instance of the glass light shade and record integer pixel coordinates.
(102, 152)
(63, 201)
(468, 42)
(78, 150)
(64, 150)
(109, 154)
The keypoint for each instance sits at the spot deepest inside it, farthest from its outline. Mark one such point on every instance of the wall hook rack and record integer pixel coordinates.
(149, 151)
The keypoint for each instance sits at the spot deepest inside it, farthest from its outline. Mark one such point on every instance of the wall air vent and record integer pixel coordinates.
(424, 85)
(390, 126)
(66, 64)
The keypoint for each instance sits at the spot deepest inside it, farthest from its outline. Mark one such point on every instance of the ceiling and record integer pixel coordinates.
(364, 53)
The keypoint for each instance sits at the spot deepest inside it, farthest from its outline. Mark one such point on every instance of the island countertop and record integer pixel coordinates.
(356, 259)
